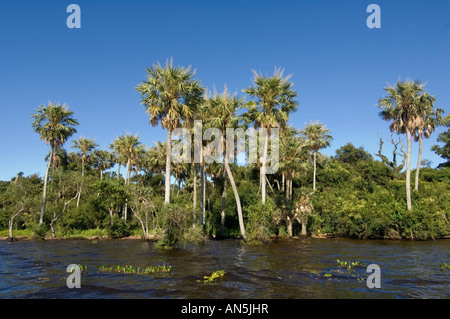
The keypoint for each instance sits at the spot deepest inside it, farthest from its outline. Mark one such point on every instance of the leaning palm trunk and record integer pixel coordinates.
(81, 185)
(408, 171)
(236, 196)
(419, 162)
(44, 196)
(168, 155)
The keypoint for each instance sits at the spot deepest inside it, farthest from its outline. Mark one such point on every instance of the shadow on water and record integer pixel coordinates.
(300, 268)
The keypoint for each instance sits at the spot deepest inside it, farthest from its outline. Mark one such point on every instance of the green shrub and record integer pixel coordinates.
(118, 229)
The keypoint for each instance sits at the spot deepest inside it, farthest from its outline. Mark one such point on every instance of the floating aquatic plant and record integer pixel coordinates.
(444, 266)
(349, 264)
(128, 269)
(218, 274)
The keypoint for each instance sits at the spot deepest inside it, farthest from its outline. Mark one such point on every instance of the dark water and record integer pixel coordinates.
(284, 269)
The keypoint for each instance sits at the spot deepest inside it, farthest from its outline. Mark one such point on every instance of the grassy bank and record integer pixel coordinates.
(74, 234)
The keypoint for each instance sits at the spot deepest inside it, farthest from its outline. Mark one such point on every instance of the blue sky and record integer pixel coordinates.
(339, 65)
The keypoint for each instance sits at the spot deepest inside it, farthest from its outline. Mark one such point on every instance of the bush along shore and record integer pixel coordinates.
(129, 190)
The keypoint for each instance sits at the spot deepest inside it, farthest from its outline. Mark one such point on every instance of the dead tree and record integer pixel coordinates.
(398, 147)
(60, 214)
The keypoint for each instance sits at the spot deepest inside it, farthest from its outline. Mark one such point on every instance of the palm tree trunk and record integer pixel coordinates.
(204, 193)
(168, 155)
(81, 186)
(289, 226)
(236, 196)
(419, 162)
(314, 176)
(263, 169)
(128, 174)
(282, 182)
(408, 171)
(118, 171)
(304, 223)
(195, 192)
(44, 196)
(287, 186)
(290, 187)
(224, 194)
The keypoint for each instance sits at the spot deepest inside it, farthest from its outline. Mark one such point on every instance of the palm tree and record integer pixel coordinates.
(116, 147)
(221, 112)
(104, 160)
(55, 124)
(170, 95)
(130, 149)
(273, 101)
(444, 137)
(400, 106)
(426, 121)
(293, 156)
(85, 147)
(318, 137)
(157, 157)
(60, 158)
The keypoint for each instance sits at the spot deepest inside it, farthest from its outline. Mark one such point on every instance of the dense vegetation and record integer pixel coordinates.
(351, 194)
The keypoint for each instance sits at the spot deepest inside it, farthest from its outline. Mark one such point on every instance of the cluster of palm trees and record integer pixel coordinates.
(174, 98)
(412, 112)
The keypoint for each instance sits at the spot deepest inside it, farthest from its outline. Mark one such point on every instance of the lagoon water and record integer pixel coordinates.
(298, 268)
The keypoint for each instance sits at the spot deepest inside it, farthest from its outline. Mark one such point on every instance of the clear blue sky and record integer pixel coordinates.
(339, 65)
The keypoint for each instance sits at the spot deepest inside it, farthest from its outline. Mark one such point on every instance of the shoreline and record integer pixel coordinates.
(154, 238)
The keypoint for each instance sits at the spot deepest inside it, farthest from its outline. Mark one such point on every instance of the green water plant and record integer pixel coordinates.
(128, 269)
(349, 264)
(444, 266)
(218, 274)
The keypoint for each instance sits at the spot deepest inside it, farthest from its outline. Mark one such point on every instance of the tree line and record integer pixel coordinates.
(350, 194)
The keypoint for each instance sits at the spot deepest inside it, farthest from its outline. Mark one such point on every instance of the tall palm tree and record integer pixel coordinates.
(400, 106)
(426, 121)
(104, 160)
(318, 137)
(157, 157)
(221, 111)
(293, 156)
(116, 147)
(130, 149)
(55, 124)
(273, 101)
(85, 147)
(170, 95)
